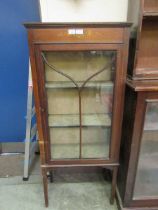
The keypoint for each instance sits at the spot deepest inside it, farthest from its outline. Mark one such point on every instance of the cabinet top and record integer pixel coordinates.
(76, 24)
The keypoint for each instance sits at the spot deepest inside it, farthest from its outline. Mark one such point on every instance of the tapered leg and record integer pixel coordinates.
(114, 181)
(45, 188)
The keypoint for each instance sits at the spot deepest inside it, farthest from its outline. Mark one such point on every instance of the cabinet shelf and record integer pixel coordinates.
(72, 150)
(56, 85)
(73, 120)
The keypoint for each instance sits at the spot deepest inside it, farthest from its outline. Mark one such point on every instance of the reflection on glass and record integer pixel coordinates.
(146, 184)
(98, 103)
(79, 88)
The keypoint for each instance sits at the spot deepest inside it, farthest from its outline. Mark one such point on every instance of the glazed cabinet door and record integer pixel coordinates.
(146, 182)
(79, 90)
(145, 157)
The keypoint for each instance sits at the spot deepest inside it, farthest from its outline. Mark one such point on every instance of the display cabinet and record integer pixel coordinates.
(144, 57)
(138, 174)
(79, 73)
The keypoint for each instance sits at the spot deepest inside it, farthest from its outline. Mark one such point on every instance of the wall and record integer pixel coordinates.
(133, 12)
(83, 10)
(14, 59)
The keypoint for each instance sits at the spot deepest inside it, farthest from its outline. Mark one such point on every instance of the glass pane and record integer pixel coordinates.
(64, 122)
(97, 103)
(79, 88)
(146, 184)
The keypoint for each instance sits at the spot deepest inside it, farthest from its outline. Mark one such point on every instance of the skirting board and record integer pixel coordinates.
(12, 147)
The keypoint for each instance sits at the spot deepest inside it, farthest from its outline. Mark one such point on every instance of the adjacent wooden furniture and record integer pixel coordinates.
(79, 73)
(138, 174)
(145, 56)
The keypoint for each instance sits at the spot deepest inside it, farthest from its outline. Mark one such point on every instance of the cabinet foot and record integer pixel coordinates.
(25, 178)
(114, 181)
(45, 187)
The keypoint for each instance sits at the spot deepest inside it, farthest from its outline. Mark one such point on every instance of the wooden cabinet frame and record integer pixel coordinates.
(141, 93)
(53, 37)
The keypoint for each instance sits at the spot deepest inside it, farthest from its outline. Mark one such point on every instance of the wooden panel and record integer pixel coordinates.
(147, 60)
(151, 6)
(145, 64)
(101, 35)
